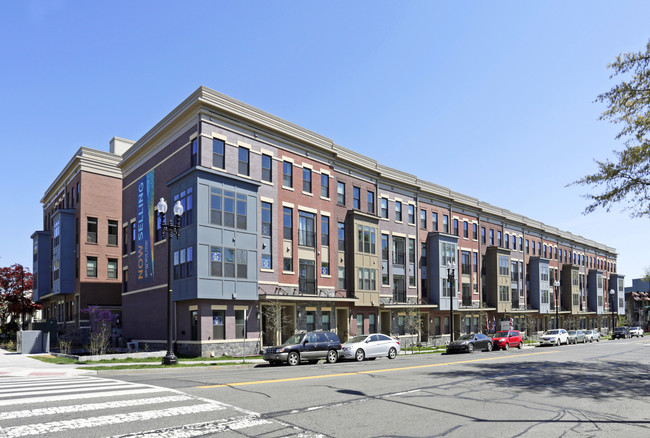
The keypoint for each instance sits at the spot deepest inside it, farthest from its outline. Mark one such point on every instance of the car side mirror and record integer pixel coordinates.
(305, 342)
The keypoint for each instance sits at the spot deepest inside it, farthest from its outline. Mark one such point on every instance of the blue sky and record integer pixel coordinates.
(491, 99)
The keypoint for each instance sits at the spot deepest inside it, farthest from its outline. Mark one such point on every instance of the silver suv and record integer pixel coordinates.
(636, 331)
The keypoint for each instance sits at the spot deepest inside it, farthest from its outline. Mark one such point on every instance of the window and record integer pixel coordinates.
(306, 229)
(445, 223)
(325, 231)
(367, 279)
(483, 235)
(287, 223)
(194, 160)
(521, 245)
(507, 242)
(325, 320)
(465, 266)
(287, 174)
(232, 206)
(244, 161)
(267, 169)
(309, 320)
(159, 230)
(359, 323)
(474, 231)
(384, 260)
(533, 243)
(125, 240)
(366, 239)
(423, 219)
(465, 230)
(504, 265)
(456, 227)
(371, 202)
(340, 193)
(215, 206)
(306, 180)
(91, 235)
(398, 211)
(491, 237)
(423, 254)
(324, 266)
(266, 219)
(218, 324)
(434, 221)
(356, 198)
(112, 268)
(412, 262)
(185, 198)
(411, 210)
(499, 238)
(91, 267)
(341, 228)
(447, 254)
(514, 243)
(112, 232)
(218, 153)
(399, 250)
(183, 263)
(384, 208)
(324, 185)
(132, 236)
(475, 262)
(341, 279)
(56, 233)
(227, 262)
(240, 324)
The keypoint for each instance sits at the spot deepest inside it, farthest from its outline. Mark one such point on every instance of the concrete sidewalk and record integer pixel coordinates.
(17, 365)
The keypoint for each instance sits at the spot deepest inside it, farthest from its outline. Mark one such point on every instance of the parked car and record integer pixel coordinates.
(469, 343)
(636, 331)
(621, 332)
(554, 337)
(592, 335)
(309, 347)
(370, 347)
(506, 339)
(576, 336)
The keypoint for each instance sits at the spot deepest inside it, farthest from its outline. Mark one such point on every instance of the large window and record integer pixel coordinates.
(112, 232)
(366, 279)
(287, 174)
(91, 235)
(324, 185)
(267, 168)
(366, 239)
(307, 229)
(287, 223)
(218, 324)
(244, 161)
(465, 265)
(228, 262)
(356, 198)
(218, 153)
(306, 180)
(91, 267)
(504, 265)
(447, 253)
(399, 250)
(228, 208)
(340, 193)
(112, 268)
(183, 263)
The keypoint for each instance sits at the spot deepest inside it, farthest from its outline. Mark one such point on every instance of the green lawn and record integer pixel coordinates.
(216, 360)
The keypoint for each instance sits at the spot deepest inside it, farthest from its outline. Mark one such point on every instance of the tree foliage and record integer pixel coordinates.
(626, 180)
(15, 293)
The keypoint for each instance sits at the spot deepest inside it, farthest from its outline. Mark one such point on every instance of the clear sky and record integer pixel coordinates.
(491, 99)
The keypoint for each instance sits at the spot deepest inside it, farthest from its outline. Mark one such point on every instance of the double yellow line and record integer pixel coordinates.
(325, 376)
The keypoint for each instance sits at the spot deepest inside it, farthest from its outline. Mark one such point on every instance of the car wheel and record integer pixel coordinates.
(489, 346)
(360, 355)
(506, 346)
(293, 358)
(332, 356)
(520, 345)
(470, 348)
(558, 342)
(392, 353)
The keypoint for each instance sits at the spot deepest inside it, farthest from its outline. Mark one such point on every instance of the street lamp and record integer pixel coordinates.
(556, 284)
(171, 228)
(450, 279)
(611, 303)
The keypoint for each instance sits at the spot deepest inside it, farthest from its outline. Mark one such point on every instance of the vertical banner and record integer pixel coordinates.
(144, 223)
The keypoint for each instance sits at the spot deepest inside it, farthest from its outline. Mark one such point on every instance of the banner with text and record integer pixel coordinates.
(144, 229)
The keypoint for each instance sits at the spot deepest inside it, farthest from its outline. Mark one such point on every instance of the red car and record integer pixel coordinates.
(506, 339)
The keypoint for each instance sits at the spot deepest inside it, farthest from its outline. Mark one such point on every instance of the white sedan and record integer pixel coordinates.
(370, 346)
(554, 337)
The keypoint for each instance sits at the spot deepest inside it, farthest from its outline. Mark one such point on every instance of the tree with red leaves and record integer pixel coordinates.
(16, 284)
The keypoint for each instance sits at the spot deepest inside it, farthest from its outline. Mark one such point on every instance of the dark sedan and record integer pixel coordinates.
(469, 343)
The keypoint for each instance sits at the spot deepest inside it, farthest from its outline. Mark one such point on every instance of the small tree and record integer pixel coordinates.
(276, 320)
(15, 296)
(413, 323)
(101, 328)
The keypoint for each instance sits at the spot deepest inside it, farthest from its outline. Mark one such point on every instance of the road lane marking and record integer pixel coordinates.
(324, 376)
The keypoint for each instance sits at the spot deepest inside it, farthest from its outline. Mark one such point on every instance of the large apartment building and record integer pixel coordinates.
(285, 230)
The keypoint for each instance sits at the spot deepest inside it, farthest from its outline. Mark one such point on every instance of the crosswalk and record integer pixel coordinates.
(87, 406)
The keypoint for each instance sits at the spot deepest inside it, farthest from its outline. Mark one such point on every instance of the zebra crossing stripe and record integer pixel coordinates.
(68, 388)
(200, 429)
(26, 413)
(106, 420)
(63, 397)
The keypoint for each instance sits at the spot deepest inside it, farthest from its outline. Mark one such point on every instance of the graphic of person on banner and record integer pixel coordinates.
(511, 323)
(494, 324)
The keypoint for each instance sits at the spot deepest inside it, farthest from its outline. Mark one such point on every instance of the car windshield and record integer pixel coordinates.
(356, 339)
(620, 329)
(295, 339)
(466, 338)
(573, 332)
(552, 332)
(501, 335)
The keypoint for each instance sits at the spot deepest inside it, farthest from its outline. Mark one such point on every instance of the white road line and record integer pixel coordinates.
(25, 385)
(71, 388)
(63, 397)
(200, 429)
(106, 420)
(10, 415)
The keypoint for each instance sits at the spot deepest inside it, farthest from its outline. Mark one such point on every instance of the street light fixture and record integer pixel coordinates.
(171, 228)
(612, 292)
(450, 280)
(556, 284)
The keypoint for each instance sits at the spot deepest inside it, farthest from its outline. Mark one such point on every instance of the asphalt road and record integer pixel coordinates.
(598, 389)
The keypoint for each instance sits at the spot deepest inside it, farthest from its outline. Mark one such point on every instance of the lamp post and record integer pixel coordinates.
(450, 279)
(556, 285)
(171, 228)
(612, 292)
(22, 296)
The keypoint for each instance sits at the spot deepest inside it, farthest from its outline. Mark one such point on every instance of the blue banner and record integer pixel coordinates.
(144, 225)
